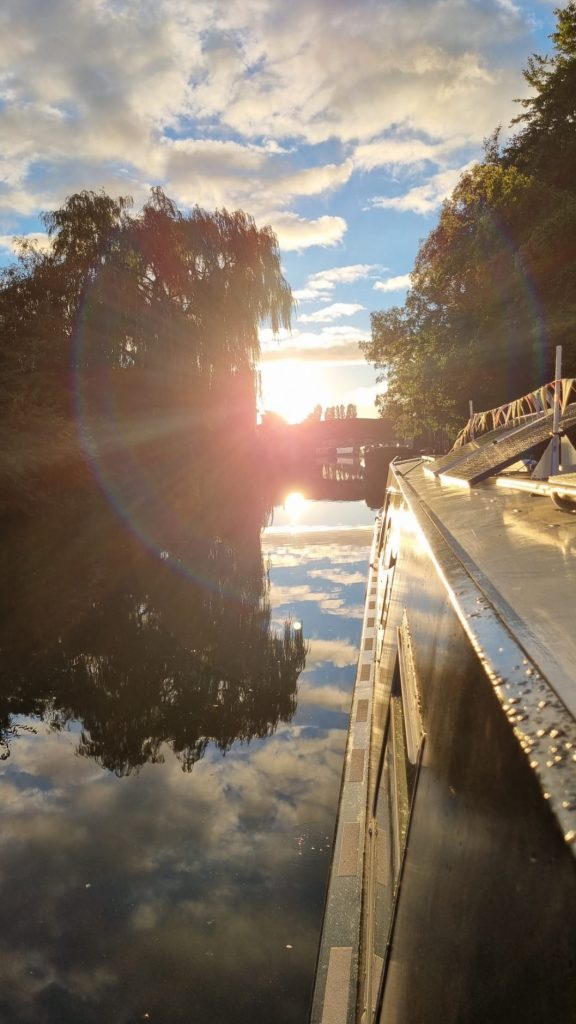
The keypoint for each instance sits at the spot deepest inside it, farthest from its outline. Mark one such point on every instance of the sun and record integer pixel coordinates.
(292, 388)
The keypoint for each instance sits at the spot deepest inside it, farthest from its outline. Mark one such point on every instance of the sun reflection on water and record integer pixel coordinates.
(294, 505)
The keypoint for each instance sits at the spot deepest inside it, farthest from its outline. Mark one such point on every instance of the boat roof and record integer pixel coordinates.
(520, 549)
(508, 560)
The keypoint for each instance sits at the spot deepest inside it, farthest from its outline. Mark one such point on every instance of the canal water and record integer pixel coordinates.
(172, 745)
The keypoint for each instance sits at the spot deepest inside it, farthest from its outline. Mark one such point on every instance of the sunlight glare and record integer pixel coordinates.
(294, 504)
(292, 388)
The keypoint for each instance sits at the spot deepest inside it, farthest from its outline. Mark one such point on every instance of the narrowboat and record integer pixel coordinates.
(452, 892)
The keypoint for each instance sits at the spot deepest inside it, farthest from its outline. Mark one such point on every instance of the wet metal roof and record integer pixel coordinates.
(521, 551)
(508, 560)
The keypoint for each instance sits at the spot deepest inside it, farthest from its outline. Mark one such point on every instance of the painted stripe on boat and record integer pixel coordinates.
(362, 710)
(335, 1010)
(348, 861)
(356, 770)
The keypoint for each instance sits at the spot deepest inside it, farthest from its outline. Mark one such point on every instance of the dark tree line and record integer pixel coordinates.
(334, 412)
(340, 412)
(493, 289)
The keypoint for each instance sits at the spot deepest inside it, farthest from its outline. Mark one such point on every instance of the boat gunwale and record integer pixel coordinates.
(534, 712)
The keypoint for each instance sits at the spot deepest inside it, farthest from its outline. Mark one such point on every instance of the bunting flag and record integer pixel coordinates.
(536, 403)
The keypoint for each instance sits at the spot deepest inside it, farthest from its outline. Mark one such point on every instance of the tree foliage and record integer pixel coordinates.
(137, 333)
(493, 289)
(178, 297)
(546, 144)
(341, 412)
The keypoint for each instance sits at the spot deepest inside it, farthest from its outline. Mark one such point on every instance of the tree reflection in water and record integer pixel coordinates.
(143, 649)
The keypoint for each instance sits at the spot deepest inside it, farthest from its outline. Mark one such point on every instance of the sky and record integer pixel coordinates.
(342, 125)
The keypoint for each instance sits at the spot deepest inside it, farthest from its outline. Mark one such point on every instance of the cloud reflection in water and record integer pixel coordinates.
(168, 896)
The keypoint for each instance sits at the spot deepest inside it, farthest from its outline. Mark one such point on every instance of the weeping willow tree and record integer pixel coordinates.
(153, 314)
(165, 291)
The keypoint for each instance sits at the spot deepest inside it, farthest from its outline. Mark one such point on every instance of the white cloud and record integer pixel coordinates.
(216, 172)
(270, 340)
(393, 284)
(307, 294)
(121, 95)
(325, 338)
(323, 696)
(329, 313)
(214, 100)
(423, 198)
(331, 601)
(76, 825)
(351, 72)
(322, 284)
(400, 151)
(290, 595)
(347, 611)
(339, 652)
(341, 576)
(211, 156)
(328, 279)
(334, 342)
(39, 239)
(315, 180)
(295, 232)
(344, 332)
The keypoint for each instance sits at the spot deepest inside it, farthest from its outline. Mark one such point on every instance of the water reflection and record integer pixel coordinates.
(98, 631)
(163, 894)
(135, 891)
(339, 478)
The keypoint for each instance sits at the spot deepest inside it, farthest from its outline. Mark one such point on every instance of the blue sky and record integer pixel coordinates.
(343, 125)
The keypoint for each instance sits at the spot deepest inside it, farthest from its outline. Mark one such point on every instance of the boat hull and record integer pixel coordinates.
(458, 903)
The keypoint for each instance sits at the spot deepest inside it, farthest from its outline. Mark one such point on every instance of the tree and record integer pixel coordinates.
(351, 411)
(493, 289)
(41, 294)
(160, 291)
(546, 144)
(335, 412)
(153, 315)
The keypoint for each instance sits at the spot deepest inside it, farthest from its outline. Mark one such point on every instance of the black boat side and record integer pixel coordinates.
(452, 895)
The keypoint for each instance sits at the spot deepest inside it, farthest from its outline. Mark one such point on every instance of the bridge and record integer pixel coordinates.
(300, 442)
